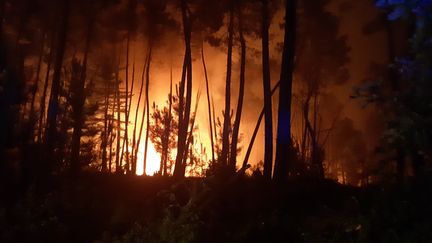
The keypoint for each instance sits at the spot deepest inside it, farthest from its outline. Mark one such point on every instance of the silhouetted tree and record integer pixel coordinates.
(268, 127)
(316, 70)
(284, 149)
(208, 106)
(224, 156)
(60, 48)
(236, 126)
(184, 112)
(78, 99)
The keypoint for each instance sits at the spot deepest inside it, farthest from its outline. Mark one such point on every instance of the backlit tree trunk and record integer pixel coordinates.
(208, 105)
(227, 116)
(236, 128)
(148, 110)
(53, 107)
(78, 102)
(44, 92)
(268, 120)
(135, 145)
(283, 142)
(184, 117)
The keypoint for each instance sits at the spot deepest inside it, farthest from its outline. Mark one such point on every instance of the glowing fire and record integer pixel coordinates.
(153, 160)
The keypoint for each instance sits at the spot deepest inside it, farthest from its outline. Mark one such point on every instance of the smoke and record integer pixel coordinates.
(157, 23)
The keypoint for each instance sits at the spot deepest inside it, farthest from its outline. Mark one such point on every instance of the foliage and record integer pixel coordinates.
(163, 132)
(409, 104)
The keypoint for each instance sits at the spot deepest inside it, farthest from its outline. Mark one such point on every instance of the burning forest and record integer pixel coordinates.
(215, 121)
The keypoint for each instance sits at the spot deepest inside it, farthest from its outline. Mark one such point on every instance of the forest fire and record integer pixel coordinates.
(154, 161)
(215, 121)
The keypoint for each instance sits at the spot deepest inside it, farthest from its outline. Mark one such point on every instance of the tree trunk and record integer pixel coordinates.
(104, 142)
(284, 151)
(135, 147)
(236, 128)
(55, 85)
(44, 92)
(189, 140)
(118, 138)
(78, 100)
(268, 120)
(227, 118)
(208, 105)
(32, 117)
(255, 132)
(184, 118)
(126, 139)
(167, 132)
(214, 123)
(147, 65)
(148, 109)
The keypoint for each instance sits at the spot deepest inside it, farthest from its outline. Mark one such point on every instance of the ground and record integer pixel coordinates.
(113, 208)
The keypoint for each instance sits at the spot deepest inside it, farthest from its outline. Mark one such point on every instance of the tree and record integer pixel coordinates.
(55, 86)
(236, 126)
(163, 134)
(316, 69)
(283, 142)
(78, 99)
(224, 159)
(208, 106)
(184, 112)
(268, 118)
(408, 111)
(11, 97)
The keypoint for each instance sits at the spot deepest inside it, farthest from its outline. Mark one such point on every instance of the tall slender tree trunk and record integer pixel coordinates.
(45, 90)
(208, 105)
(134, 145)
(78, 109)
(167, 132)
(284, 148)
(185, 115)
(189, 140)
(305, 128)
(147, 65)
(268, 117)
(111, 139)
(105, 133)
(255, 132)
(36, 87)
(148, 110)
(118, 128)
(214, 124)
(236, 128)
(227, 116)
(394, 81)
(55, 85)
(2, 13)
(126, 113)
(316, 157)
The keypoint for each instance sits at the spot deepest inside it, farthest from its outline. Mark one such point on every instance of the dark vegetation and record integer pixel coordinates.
(102, 208)
(77, 121)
